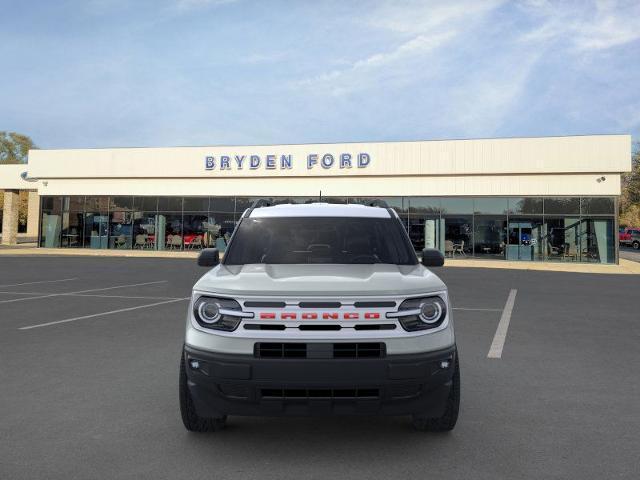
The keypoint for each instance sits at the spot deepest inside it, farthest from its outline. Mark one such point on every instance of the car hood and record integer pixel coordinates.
(319, 280)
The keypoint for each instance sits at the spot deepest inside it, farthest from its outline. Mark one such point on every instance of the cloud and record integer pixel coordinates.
(419, 17)
(365, 72)
(480, 105)
(419, 30)
(606, 25)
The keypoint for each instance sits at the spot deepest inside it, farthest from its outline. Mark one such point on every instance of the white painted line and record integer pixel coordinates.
(120, 296)
(22, 293)
(145, 297)
(41, 281)
(81, 291)
(84, 317)
(501, 332)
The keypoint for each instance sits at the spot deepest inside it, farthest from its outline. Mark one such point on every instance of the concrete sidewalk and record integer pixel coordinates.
(626, 267)
(87, 252)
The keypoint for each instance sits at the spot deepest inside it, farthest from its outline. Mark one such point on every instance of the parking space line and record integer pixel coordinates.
(141, 297)
(84, 317)
(501, 332)
(81, 291)
(40, 281)
(22, 293)
(92, 295)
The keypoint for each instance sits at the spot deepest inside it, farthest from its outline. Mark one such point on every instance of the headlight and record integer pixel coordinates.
(218, 313)
(421, 313)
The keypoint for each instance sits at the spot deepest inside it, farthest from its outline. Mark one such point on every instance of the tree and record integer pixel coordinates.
(630, 198)
(14, 147)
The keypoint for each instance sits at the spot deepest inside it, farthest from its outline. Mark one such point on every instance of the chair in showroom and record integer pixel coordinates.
(458, 248)
(141, 241)
(175, 243)
(196, 242)
(448, 248)
(121, 241)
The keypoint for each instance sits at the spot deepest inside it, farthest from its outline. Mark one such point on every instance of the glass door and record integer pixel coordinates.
(524, 241)
(97, 230)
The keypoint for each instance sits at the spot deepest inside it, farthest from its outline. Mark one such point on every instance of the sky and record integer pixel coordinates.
(115, 73)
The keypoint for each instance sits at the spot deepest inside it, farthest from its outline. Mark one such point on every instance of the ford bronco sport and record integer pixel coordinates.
(319, 309)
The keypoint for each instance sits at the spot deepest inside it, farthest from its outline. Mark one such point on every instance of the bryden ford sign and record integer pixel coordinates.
(285, 162)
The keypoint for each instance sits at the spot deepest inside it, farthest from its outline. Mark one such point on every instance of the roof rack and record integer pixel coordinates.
(377, 203)
(260, 202)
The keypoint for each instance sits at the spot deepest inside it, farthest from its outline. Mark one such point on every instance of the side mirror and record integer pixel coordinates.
(209, 257)
(432, 257)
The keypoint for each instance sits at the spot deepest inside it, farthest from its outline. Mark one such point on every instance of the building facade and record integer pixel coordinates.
(530, 199)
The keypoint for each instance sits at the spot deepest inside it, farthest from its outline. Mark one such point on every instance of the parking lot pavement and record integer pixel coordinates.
(629, 253)
(91, 391)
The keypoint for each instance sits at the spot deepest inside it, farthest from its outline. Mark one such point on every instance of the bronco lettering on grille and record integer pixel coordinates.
(315, 316)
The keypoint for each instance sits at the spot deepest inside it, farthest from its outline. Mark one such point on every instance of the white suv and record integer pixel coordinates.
(319, 309)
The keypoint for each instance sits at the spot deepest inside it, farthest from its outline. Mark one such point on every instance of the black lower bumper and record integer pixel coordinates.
(222, 384)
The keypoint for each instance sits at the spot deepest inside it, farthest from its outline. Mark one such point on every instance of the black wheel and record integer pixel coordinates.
(636, 245)
(190, 418)
(448, 420)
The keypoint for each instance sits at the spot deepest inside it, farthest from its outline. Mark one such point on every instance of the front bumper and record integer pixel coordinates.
(224, 384)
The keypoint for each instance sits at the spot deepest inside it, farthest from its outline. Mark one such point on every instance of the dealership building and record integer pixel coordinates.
(530, 199)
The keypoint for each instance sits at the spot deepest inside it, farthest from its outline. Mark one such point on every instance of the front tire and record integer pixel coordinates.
(448, 420)
(636, 245)
(190, 418)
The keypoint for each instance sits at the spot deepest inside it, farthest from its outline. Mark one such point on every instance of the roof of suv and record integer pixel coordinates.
(320, 210)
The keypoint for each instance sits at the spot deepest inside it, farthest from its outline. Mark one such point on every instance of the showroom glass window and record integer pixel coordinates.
(221, 222)
(490, 228)
(525, 238)
(120, 222)
(457, 214)
(533, 228)
(72, 234)
(562, 229)
(51, 222)
(169, 224)
(597, 239)
(96, 222)
(144, 216)
(426, 228)
(194, 221)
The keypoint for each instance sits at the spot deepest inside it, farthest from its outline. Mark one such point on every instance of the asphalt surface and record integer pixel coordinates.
(96, 397)
(629, 253)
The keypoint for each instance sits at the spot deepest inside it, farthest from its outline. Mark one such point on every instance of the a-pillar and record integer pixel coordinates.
(10, 217)
(33, 214)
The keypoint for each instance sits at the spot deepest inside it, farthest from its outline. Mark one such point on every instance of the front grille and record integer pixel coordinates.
(319, 393)
(318, 327)
(375, 326)
(281, 350)
(320, 350)
(376, 304)
(358, 350)
(257, 304)
(319, 304)
(263, 326)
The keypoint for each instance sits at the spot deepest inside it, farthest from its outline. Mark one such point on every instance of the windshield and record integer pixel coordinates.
(301, 240)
